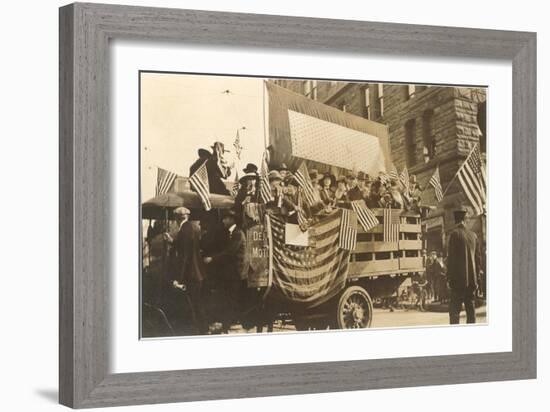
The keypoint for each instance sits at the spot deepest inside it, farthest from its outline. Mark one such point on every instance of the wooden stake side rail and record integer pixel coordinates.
(373, 257)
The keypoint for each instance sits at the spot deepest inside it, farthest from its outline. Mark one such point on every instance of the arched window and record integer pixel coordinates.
(410, 141)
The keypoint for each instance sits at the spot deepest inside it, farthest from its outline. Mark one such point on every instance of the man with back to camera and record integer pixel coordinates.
(463, 264)
(189, 270)
(233, 267)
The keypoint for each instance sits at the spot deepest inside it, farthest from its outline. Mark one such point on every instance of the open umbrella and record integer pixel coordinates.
(159, 206)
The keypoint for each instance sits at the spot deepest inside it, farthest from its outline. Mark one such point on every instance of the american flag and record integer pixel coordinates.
(165, 180)
(435, 181)
(199, 182)
(265, 189)
(393, 173)
(235, 187)
(473, 180)
(302, 177)
(391, 225)
(404, 180)
(309, 275)
(237, 145)
(365, 216)
(348, 230)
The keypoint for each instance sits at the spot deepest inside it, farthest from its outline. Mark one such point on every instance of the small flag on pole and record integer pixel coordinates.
(365, 216)
(302, 219)
(348, 230)
(165, 180)
(473, 180)
(435, 181)
(199, 182)
(393, 173)
(265, 189)
(237, 145)
(235, 187)
(391, 225)
(302, 177)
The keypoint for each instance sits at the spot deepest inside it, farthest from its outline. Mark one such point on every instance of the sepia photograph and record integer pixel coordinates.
(280, 205)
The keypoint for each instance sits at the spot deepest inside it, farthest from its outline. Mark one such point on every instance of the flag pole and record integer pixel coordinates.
(264, 85)
(458, 171)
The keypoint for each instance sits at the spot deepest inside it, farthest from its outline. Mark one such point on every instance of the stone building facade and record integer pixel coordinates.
(429, 127)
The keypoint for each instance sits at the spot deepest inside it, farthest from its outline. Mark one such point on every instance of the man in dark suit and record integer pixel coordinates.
(463, 265)
(231, 264)
(188, 272)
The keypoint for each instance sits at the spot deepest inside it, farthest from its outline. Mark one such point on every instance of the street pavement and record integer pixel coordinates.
(384, 318)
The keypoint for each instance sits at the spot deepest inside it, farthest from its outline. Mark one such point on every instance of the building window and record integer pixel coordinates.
(428, 137)
(381, 99)
(411, 91)
(368, 113)
(410, 142)
(482, 123)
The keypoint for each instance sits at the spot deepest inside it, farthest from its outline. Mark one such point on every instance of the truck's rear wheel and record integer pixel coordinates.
(354, 309)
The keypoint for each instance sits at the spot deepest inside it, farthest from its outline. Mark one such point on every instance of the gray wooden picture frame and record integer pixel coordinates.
(85, 31)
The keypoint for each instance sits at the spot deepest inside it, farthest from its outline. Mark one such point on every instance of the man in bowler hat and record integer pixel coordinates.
(463, 265)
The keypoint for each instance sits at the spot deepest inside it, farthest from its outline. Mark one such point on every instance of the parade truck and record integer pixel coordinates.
(332, 274)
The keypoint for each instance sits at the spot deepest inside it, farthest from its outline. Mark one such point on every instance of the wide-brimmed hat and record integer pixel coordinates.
(282, 166)
(274, 175)
(248, 176)
(203, 152)
(460, 212)
(221, 145)
(314, 175)
(461, 209)
(351, 175)
(251, 168)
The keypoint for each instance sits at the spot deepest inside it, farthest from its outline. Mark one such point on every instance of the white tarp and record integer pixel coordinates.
(325, 142)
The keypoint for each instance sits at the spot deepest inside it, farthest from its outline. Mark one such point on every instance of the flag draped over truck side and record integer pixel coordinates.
(313, 274)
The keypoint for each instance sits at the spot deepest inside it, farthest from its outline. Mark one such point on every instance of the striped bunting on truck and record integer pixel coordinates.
(310, 275)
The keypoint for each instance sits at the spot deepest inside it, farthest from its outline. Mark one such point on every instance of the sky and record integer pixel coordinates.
(181, 113)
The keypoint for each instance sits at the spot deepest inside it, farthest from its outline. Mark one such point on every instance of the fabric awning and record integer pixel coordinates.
(327, 138)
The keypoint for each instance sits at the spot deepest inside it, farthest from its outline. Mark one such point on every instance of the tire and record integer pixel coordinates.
(354, 309)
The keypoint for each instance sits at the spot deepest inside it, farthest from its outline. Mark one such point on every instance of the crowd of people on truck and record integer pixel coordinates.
(380, 192)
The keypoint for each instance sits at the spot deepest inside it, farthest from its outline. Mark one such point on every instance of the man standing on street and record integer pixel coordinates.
(463, 264)
(188, 266)
(231, 264)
